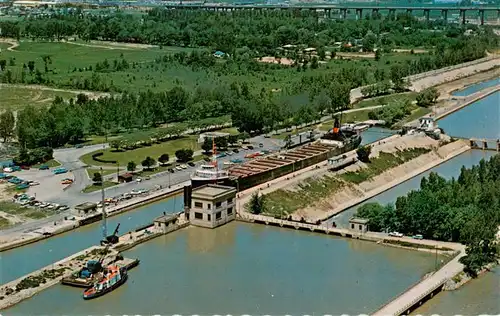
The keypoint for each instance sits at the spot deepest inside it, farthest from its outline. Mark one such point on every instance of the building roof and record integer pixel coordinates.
(212, 191)
(355, 220)
(126, 175)
(219, 53)
(86, 206)
(167, 218)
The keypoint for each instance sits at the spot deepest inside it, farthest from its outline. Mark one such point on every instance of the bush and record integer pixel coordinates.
(363, 153)
(184, 155)
(34, 156)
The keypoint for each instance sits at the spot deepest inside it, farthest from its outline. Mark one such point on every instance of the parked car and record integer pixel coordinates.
(250, 147)
(237, 160)
(60, 170)
(221, 155)
(79, 146)
(261, 145)
(171, 170)
(138, 180)
(191, 164)
(184, 166)
(395, 234)
(418, 236)
(236, 150)
(43, 167)
(33, 183)
(25, 167)
(178, 168)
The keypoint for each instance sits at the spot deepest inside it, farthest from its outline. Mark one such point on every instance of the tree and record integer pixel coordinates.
(148, 163)
(116, 144)
(207, 145)
(256, 204)
(232, 139)
(363, 153)
(427, 97)
(97, 178)
(131, 165)
(164, 158)
(7, 124)
(3, 64)
(31, 66)
(378, 54)
(244, 136)
(184, 155)
(314, 63)
(221, 142)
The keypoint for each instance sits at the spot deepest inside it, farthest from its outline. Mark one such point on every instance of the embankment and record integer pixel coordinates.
(394, 177)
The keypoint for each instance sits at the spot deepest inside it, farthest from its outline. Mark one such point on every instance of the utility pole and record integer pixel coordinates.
(104, 226)
(117, 170)
(436, 258)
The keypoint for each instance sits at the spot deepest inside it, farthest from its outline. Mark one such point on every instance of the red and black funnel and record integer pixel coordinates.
(336, 126)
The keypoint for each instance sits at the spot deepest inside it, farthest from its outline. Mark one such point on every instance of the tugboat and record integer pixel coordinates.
(112, 278)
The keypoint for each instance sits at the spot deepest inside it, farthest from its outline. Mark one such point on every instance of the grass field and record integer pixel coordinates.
(139, 154)
(51, 163)
(382, 163)
(284, 202)
(73, 61)
(17, 97)
(386, 99)
(105, 172)
(24, 213)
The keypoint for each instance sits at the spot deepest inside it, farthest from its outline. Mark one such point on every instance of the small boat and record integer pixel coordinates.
(113, 277)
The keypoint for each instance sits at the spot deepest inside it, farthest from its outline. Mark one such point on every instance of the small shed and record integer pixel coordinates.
(86, 207)
(126, 177)
(427, 123)
(166, 222)
(359, 224)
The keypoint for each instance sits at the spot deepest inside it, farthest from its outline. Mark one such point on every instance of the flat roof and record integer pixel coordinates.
(86, 206)
(359, 220)
(212, 190)
(167, 218)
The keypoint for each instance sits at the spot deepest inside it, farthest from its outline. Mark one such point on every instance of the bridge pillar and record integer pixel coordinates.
(344, 13)
(427, 14)
(392, 14)
(359, 14)
(462, 14)
(485, 144)
(481, 17)
(498, 145)
(444, 15)
(374, 12)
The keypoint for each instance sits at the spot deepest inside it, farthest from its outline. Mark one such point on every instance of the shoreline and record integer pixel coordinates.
(372, 193)
(74, 225)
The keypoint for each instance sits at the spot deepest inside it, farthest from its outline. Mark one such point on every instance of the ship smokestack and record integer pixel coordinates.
(336, 126)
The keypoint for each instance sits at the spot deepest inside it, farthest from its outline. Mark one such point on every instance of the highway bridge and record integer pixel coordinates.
(330, 11)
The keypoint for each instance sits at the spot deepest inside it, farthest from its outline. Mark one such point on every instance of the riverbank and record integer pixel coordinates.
(283, 199)
(14, 292)
(440, 112)
(16, 240)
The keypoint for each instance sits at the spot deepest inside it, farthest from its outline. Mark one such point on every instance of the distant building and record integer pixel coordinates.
(359, 225)
(166, 223)
(212, 205)
(427, 123)
(211, 136)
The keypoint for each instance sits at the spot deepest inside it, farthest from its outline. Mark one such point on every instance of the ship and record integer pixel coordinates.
(210, 173)
(112, 278)
(257, 171)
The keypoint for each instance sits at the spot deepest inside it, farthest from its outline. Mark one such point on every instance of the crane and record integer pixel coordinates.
(111, 239)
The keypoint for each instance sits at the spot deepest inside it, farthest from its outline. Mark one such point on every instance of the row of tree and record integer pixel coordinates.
(465, 210)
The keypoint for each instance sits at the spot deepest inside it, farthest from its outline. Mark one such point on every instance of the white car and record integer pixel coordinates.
(184, 166)
(138, 180)
(34, 183)
(395, 234)
(178, 168)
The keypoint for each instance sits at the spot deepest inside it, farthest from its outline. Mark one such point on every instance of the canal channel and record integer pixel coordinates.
(245, 269)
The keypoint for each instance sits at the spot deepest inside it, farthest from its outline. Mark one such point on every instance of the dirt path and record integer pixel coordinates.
(13, 43)
(90, 94)
(112, 45)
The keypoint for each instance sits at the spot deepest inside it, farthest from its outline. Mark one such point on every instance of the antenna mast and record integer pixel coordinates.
(104, 226)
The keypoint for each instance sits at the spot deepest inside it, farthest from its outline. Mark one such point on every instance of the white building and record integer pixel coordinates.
(212, 205)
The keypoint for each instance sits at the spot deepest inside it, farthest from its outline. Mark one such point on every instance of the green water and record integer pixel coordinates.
(247, 269)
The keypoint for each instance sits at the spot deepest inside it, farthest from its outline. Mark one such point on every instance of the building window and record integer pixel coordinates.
(198, 204)
(218, 215)
(360, 227)
(352, 226)
(230, 211)
(209, 217)
(198, 215)
(230, 201)
(209, 206)
(218, 204)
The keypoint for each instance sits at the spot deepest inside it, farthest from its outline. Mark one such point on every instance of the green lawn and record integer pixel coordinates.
(22, 212)
(105, 172)
(386, 99)
(92, 188)
(382, 163)
(18, 97)
(51, 163)
(283, 202)
(139, 154)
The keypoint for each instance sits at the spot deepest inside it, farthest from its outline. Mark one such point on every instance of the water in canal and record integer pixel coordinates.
(477, 297)
(476, 87)
(20, 261)
(251, 269)
(374, 134)
(479, 120)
